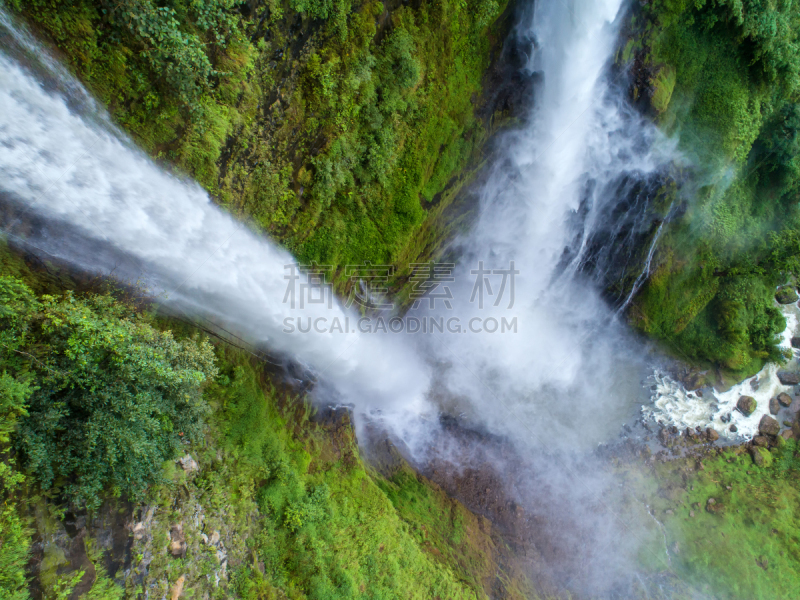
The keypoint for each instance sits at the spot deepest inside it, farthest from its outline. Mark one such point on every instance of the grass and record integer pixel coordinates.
(748, 544)
(299, 513)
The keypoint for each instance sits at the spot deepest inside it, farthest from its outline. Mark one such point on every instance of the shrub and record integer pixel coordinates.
(113, 397)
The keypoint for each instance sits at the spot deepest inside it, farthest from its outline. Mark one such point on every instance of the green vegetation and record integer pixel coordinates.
(745, 542)
(725, 78)
(327, 122)
(99, 399)
(107, 398)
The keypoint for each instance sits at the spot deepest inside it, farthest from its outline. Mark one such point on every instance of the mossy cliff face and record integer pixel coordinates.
(329, 123)
(269, 499)
(723, 77)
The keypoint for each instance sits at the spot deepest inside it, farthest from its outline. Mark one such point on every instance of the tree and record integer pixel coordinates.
(111, 397)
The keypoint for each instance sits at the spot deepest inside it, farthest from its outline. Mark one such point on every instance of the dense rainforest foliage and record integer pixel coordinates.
(329, 123)
(724, 76)
(333, 125)
(99, 400)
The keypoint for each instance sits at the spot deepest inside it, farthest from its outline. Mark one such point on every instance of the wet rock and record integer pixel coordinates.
(760, 441)
(755, 383)
(787, 434)
(712, 435)
(188, 464)
(733, 428)
(761, 456)
(774, 406)
(746, 405)
(787, 378)
(795, 342)
(786, 295)
(784, 399)
(177, 544)
(694, 379)
(768, 426)
(726, 418)
(663, 436)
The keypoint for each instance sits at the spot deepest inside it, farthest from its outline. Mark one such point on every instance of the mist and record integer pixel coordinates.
(542, 396)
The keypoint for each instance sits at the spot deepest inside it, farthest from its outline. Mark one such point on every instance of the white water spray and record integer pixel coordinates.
(568, 374)
(69, 165)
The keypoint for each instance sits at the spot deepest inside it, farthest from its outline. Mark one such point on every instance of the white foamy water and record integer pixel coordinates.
(672, 404)
(570, 374)
(68, 164)
(566, 379)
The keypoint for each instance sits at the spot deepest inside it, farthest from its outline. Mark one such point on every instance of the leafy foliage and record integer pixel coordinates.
(328, 122)
(113, 397)
(735, 65)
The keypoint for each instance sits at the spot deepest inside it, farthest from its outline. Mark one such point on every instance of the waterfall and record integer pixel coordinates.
(62, 160)
(571, 372)
(562, 379)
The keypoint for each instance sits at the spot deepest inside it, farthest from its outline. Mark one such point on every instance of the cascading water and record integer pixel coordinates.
(568, 372)
(61, 159)
(565, 380)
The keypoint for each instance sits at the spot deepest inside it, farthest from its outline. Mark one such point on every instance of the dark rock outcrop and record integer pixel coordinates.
(768, 426)
(746, 405)
(786, 295)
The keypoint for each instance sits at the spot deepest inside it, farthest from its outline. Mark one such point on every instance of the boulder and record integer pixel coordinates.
(787, 434)
(795, 342)
(760, 441)
(787, 378)
(714, 506)
(784, 399)
(733, 428)
(189, 464)
(746, 405)
(693, 380)
(177, 544)
(786, 295)
(761, 456)
(176, 590)
(768, 426)
(774, 406)
(712, 435)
